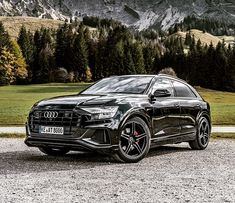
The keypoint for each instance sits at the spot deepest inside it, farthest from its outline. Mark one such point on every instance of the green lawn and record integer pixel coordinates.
(16, 101)
(222, 106)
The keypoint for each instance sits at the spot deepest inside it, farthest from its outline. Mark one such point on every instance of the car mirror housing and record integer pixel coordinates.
(161, 93)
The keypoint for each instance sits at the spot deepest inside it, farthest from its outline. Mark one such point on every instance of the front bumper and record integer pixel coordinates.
(102, 140)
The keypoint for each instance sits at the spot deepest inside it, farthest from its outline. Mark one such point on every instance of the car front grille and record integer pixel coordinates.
(54, 118)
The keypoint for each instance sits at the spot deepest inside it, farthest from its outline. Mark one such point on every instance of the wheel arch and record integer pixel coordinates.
(206, 115)
(140, 113)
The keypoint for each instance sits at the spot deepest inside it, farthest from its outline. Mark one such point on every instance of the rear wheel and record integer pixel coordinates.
(203, 135)
(54, 151)
(134, 141)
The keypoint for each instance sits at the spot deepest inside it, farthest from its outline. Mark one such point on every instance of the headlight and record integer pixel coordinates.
(32, 108)
(98, 113)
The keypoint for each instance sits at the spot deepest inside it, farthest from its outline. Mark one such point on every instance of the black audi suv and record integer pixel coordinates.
(123, 116)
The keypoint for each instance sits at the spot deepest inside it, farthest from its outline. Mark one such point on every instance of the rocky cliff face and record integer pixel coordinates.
(140, 14)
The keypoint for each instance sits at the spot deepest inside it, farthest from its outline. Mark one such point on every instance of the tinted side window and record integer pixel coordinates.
(163, 83)
(182, 90)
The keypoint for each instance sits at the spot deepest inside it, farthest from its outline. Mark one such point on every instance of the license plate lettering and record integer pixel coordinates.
(52, 130)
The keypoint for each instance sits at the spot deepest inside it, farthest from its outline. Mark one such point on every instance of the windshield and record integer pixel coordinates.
(127, 85)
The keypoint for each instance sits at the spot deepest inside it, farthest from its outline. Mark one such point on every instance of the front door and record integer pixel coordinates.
(166, 112)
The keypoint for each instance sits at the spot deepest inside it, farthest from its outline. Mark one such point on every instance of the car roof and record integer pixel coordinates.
(139, 75)
(151, 75)
(172, 77)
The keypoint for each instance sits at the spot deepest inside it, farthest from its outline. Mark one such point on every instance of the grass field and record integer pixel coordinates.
(206, 38)
(222, 106)
(16, 101)
(14, 23)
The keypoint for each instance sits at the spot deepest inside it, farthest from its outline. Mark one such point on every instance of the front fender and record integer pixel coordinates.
(136, 112)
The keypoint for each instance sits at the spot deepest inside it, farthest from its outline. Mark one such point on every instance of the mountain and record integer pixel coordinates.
(138, 14)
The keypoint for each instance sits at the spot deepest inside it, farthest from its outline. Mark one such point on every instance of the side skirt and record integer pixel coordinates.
(172, 140)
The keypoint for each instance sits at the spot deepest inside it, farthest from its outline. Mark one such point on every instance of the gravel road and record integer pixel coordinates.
(172, 173)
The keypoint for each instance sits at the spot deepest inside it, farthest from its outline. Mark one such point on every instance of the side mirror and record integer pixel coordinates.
(161, 93)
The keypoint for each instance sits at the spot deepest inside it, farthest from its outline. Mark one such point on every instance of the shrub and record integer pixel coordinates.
(70, 77)
(168, 71)
(60, 75)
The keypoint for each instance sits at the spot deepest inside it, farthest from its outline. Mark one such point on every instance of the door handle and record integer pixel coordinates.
(177, 105)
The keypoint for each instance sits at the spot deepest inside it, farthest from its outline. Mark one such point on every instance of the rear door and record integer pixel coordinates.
(190, 107)
(166, 111)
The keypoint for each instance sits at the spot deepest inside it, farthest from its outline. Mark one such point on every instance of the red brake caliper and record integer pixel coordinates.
(136, 135)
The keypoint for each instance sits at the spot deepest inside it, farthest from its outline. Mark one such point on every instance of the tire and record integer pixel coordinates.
(134, 141)
(203, 135)
(53, 151)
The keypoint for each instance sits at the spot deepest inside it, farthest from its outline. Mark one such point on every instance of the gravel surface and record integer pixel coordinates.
(172, 173)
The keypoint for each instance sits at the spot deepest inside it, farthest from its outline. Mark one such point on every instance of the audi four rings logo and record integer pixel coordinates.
(51, 114)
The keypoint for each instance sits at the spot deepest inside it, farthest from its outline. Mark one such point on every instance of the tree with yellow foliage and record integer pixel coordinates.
(20, 68)
(7, 61)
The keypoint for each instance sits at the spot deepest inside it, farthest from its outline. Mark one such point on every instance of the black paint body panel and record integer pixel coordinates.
(170, 119)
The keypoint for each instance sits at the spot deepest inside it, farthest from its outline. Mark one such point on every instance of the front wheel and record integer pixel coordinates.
(203, 135)
(134, 142)
(53, 151)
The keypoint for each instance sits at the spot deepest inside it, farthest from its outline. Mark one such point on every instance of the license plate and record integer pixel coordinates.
(51, 130)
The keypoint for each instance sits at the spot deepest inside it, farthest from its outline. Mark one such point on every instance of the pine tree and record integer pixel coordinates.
(117, 60)
(149, 53)
(100, 57)
(44, 63)
(46, 38)
(128, 62)
(61, 46)
(4, 38)
(138, 59)
(231, 70)
(209, 76)
(80, 55)
(91, 50)
(188, 39)
(46, 66)
(156, 64)
(221, 63)
(36, 62)
(67, 57)
(25, 43)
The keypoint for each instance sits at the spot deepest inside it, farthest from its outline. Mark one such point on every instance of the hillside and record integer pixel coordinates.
(206, 38)
(138, 13)
(13, 24)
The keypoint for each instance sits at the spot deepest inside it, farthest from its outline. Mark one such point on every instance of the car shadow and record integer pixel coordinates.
(167, 149)
(33, 161)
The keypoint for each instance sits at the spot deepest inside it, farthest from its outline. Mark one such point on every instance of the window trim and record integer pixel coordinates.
(170, 82)
(193, 93)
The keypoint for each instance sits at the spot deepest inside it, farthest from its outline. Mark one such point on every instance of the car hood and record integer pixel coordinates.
(70, 101)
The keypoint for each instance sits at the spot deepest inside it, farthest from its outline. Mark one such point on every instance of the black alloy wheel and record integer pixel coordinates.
(203, 135)
(134, 141)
